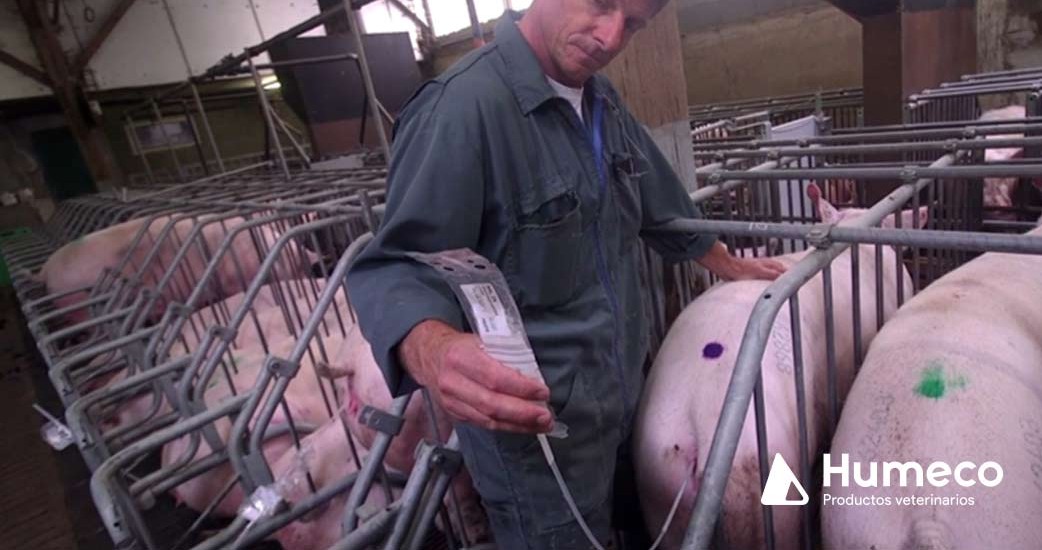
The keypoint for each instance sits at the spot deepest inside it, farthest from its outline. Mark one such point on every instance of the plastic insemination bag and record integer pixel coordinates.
(265, 501)
(262, 503)
(54, 432)
(56, 435)
(483, 291)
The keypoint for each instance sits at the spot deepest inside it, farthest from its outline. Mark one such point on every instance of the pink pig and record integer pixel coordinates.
(954, 377)
(80, 263)
(688, 381)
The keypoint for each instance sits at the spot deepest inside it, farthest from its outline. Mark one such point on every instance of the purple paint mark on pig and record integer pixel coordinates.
(713, 350)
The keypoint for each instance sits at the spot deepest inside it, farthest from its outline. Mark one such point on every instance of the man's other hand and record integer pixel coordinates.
(731, 268)
(754, 268)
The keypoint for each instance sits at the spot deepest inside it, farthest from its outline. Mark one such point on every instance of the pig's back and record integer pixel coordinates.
(990, 305)
(924, 403)
(955, 376)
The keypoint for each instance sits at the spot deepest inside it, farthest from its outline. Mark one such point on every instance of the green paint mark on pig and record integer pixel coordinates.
(933, 384)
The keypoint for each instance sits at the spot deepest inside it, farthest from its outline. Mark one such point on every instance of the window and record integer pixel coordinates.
(447, 16)
(153, 137)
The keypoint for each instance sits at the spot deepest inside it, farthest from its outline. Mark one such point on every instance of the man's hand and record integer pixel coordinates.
(754, 268)
(471, 386)
(731, 268)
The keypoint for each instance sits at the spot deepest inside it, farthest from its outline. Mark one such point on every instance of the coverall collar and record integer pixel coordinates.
(524, 74)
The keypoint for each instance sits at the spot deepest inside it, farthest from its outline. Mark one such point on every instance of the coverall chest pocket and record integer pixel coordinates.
(548, 237)
(626, 172)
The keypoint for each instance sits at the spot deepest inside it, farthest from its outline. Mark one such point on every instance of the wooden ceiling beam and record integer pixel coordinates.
(24, 68)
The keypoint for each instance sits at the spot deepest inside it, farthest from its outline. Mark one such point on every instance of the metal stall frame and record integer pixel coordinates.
(829, 241)
(219, 336)
(61, 360)
(406, 521)
(155, 345)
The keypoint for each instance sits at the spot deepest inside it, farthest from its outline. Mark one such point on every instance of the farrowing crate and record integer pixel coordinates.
(949, 186)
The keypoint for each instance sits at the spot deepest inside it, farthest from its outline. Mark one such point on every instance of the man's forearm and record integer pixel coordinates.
(421, 347)
(717, 260)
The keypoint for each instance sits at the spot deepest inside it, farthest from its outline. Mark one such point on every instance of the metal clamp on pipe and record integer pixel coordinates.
(283, 368)
(447, 460)
(819, 236)
(381, 421)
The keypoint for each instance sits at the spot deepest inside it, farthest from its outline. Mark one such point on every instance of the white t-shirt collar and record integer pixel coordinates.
(574, 96)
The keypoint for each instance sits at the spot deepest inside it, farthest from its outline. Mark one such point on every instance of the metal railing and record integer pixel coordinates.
(199, 366)
(846, 277)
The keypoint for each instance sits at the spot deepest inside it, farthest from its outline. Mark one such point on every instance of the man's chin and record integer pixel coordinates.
(578, 75)
(573, 72)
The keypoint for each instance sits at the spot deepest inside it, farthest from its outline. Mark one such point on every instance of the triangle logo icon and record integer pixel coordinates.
(779, 480)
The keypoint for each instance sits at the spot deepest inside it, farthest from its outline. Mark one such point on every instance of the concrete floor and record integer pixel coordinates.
(44, 495)
(45, 500)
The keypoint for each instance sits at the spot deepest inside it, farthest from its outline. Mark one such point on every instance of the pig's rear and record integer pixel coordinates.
(924, 403)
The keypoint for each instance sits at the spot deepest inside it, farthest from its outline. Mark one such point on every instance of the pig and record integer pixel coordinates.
(1000, 192)
(688, 380)
(325, 455)
(194, 330)
(267, 317)
(81, 262)
(268, 320)
(955, 376)
(303, 397)
(361, 383)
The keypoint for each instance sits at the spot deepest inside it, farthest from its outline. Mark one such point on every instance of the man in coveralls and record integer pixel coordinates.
(523, 154)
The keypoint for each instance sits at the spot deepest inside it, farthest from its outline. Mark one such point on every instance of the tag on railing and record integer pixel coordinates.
(261, 504)
(56, 435)
(265, 501)
(54, 432)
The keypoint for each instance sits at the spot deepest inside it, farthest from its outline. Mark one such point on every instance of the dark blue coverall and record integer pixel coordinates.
(488, 157)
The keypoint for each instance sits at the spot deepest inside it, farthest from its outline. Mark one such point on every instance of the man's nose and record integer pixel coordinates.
(610, 31)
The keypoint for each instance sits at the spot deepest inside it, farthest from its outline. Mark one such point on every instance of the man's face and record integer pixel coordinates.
(582, 36)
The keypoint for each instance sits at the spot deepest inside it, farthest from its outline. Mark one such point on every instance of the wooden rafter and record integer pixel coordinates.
(68, 89)
(24, 68)
(409, 14)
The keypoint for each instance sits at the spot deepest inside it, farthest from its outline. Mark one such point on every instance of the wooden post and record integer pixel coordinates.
(69, 91)
(24, 68)
(909, 46)
(649, 75)
(338, 24)
(881, 67)
(940, 44)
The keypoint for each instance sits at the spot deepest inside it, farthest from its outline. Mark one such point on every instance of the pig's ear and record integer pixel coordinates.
(907, 219)
(826, 211)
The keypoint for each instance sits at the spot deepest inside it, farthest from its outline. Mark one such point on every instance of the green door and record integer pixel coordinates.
(64, 170)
